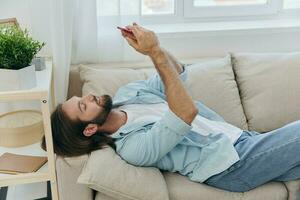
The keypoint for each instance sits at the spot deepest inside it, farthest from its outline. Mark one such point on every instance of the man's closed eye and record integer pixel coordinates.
(83, 106)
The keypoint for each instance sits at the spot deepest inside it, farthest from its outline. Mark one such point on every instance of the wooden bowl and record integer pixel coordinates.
(21, 128)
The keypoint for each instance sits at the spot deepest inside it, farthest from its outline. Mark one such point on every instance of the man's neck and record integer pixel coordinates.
(115, 119)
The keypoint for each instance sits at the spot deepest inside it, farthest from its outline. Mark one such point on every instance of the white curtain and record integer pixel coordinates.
(52, 21)
(113, 13)
(61, 22)
(73, 34)
(84, 43)
(82, 31)
(85, 32)
(96, 38)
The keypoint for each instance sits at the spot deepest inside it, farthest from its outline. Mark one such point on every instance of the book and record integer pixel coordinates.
(15, 164)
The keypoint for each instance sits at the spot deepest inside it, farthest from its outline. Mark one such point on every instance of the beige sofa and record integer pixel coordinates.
(258, 92)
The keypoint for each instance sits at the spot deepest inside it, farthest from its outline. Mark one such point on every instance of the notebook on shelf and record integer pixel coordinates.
(15, 164)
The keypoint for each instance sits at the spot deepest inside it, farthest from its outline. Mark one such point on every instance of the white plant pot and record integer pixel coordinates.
(21, 79)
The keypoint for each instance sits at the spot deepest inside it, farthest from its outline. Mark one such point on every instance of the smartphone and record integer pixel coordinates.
(125, 29)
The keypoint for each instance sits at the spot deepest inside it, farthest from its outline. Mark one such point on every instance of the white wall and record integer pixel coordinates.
(37, 22)
(218, 44)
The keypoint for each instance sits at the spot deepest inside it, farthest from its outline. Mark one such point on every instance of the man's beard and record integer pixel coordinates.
(107, 106)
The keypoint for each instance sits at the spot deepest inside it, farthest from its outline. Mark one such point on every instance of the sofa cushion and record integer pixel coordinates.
(101, 196)
(269, 87)
(75, 83)
(211, 82)
(107, 173)
(107, 81)
(180, 187)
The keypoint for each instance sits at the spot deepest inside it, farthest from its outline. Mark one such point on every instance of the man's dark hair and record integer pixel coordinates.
(68, 137)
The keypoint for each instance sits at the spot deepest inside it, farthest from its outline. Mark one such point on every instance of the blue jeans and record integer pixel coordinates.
(272, 156)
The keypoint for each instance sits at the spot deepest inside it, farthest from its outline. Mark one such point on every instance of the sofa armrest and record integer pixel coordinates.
(68, 170)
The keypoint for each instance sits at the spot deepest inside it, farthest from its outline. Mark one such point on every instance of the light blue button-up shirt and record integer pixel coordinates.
(170, 144)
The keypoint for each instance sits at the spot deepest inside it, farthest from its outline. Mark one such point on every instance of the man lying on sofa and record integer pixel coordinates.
(155, 122)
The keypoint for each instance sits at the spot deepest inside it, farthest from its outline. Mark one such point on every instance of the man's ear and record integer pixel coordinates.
(90, 130)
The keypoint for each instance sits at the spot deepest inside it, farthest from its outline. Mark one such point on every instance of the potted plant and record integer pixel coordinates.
(17, 49)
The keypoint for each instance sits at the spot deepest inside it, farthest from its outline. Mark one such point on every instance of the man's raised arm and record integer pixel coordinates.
(178, 66)
(179, 101)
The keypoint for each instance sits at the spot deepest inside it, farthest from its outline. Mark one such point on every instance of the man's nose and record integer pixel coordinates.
(90, 97)
(87, 98)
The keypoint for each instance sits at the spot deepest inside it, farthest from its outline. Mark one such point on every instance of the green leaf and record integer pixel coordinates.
(17, 48)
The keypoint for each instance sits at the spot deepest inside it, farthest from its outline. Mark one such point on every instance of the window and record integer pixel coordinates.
(199, 3)
(291, 4)
(220, 8)
(157, 7)
(180, 11)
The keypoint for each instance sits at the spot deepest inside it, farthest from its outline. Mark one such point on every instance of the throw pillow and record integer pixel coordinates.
(107, 81)
(269, 85)
(213, 83)
(107, 173)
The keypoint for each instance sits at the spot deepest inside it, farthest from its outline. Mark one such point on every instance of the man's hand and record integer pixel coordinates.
(142, 40)
(148, 38)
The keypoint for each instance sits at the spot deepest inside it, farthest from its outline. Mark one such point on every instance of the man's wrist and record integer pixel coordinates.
(155, 51)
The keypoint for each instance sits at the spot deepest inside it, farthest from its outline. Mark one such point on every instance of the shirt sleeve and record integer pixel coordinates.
(156, 83)
(147, 147)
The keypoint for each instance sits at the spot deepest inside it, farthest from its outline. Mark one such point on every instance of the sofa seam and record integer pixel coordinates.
(112, 191)
(287, 190)
(232, 62)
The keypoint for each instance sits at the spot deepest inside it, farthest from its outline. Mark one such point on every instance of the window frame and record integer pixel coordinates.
(290, 9)
(272, 7)
(164, 18)
(180, 10)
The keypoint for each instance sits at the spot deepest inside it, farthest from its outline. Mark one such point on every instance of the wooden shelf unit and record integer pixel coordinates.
(42, 92)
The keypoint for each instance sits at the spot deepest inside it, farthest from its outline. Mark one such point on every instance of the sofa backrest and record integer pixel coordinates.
(210, 81)
(258, 91)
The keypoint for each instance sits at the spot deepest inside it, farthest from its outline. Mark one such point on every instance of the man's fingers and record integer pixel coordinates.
(126, 34)
(134, 30)
(131, 42)
(139, 27)
(135, 25)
